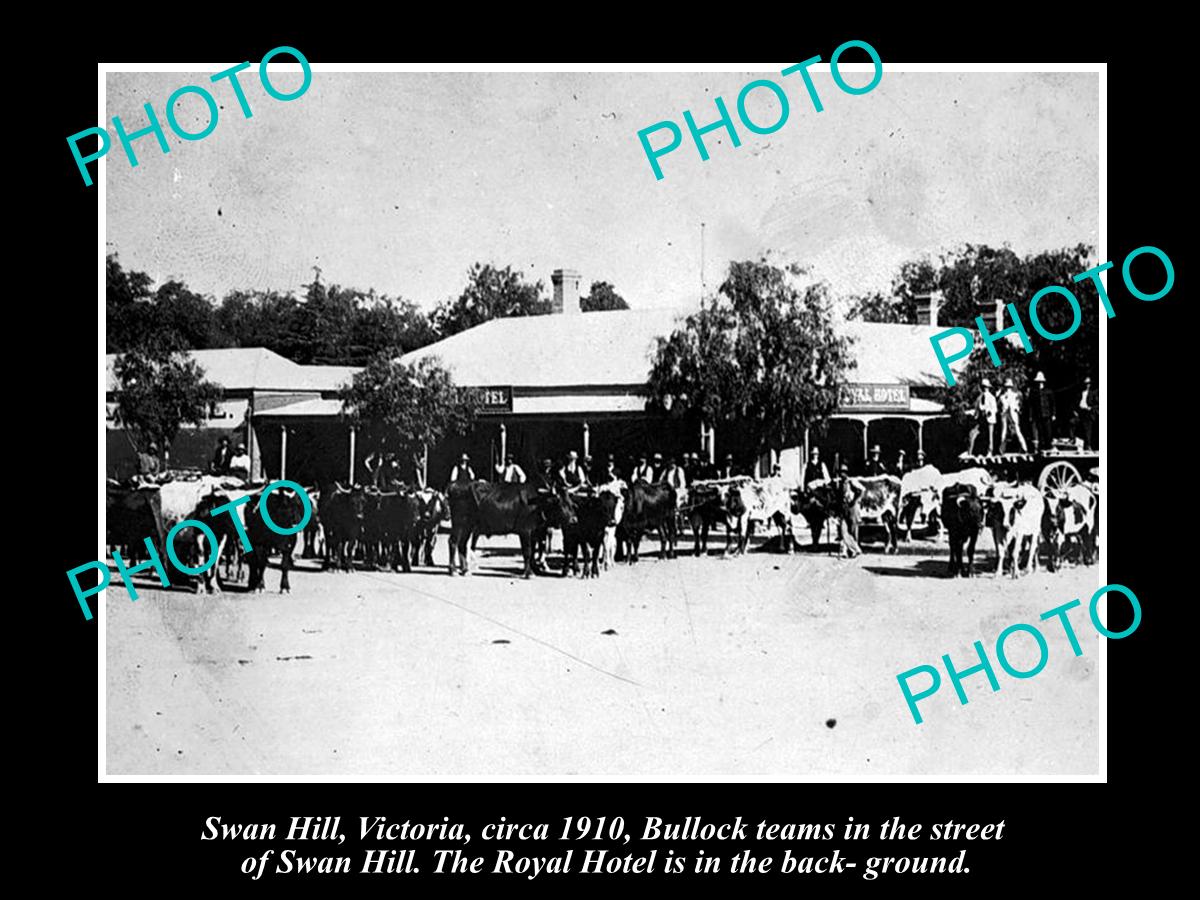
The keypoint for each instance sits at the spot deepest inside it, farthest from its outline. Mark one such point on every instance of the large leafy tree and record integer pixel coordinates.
(160, 390)
(491, 293)
(602, 296)
(761, 361)
(402, 407)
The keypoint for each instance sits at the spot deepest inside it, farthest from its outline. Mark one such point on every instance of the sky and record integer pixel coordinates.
(400, 181)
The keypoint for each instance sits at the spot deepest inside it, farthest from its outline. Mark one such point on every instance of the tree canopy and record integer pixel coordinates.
(401, 407)
(160, 390)
(760, 361)
(491, 293)
(602, 296)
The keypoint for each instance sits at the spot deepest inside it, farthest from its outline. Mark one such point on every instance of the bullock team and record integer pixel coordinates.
(397, 527)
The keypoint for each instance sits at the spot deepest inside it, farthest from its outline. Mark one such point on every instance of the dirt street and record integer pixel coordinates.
(766, 665)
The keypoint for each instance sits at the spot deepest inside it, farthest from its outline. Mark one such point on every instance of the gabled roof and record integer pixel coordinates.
(256, 368)
(593, 348)
(617, 348)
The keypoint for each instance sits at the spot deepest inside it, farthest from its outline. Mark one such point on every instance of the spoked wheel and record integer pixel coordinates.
(1058, 475)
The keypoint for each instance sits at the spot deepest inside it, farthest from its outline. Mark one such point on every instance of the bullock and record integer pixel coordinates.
(817, 503)
(648, 507)
(314, 531)
(389, 529)
(963, 514)
(131, 516)
(920, 492)
(608, 549)
(594, 516)
(748, 502)
(286, 509)
(1014, 515)
(432, 511)
(1073, 517)
(345, 509)
(227, 533)
(706, 508)
(484, 508)
(880, 502)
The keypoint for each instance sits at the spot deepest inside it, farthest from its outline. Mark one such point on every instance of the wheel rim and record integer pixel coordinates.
(1059, 475)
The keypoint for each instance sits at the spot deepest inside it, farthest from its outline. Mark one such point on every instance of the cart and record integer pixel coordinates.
(1050, 470)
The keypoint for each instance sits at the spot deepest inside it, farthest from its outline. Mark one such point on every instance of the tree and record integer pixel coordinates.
(491, 293)
(404, 408)
(876, 308)
(160, 389)
(129, 308)
(602, 296)
(761, 361)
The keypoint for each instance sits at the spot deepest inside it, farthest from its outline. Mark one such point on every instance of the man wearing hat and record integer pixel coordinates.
(546, 476)
(985, 416)
(875, 464)
(1083, 417)
(463, 472)
(1010, 416)
(675, 476)
(239, 463)
(509, 471)
(726, 471)
(642, 471)
(815, 471)
(609, 475)
(920, 459)
(571, 475)
(221, 457)
(1041, 413)
(848, 492)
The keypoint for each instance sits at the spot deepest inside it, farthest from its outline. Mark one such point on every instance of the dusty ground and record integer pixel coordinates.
(769, 665)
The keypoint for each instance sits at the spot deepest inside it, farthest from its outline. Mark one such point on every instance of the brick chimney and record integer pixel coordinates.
(566, 291)
(927, 308)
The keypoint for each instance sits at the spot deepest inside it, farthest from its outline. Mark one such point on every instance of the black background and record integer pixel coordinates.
(1058, 837)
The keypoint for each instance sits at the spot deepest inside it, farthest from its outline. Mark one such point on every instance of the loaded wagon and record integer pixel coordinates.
(1048, 469)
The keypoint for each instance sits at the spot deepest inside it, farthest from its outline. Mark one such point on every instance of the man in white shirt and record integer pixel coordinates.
(510, 472)
(1010, 416)
(239, 465)
(985, 416)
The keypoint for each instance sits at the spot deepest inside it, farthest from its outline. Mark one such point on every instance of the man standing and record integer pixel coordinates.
(1010, 416)
(239, 465)
(418, 470)
(675, 476)
(875, 464)
(848, 492)
(510, 472)
(1041, 413)
(148, 463)
(643, 471)
(221, 457)
(920, 459)
(726, 471)
(571, 475)
(985, 416)
(1083, 417)
(815, 470)
(901, 467)
(374, 466)
(462, 473)
(546, 476)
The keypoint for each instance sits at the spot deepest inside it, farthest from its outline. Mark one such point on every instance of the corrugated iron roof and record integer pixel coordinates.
(617, 347)
(257, 368)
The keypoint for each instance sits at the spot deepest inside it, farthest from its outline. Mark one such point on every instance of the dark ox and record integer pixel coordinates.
(286, 510)
(390, 528)
(1072, 521)
(648, 507)
(484, 508)
(131, 516)
(706, 508)
(962, 514)
(594, 515)
(343, 513)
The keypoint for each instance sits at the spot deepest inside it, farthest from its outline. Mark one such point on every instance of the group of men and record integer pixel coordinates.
(575, 472)
(228, 461)
(1042, 412)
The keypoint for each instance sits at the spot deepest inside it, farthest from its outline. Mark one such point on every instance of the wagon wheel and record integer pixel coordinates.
(1057, 475)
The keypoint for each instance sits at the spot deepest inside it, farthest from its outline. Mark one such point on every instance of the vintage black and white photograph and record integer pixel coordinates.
(591, 473)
